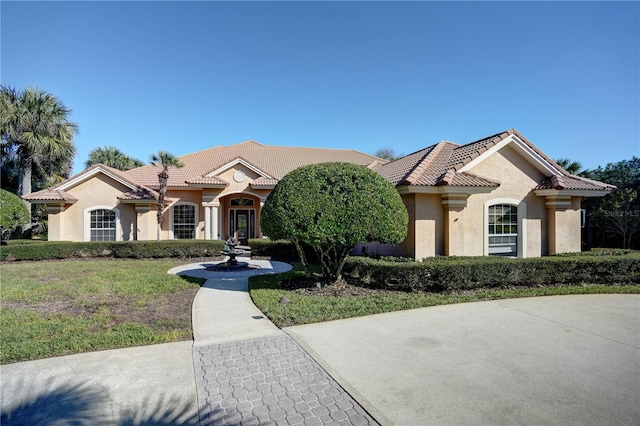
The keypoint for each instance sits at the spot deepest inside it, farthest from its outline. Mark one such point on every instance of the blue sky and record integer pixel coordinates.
(186, 76)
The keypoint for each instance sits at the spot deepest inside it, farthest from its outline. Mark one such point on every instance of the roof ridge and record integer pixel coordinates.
(426, 161)
(490, 142)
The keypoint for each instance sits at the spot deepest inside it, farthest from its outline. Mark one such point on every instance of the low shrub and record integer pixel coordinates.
(448, 274)
(283, 250)
(117, 249)
(277, 250)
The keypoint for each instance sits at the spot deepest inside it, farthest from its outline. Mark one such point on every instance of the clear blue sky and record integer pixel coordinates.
(183, 77)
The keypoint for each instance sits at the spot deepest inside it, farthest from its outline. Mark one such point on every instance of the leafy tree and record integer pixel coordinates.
(387, 154)
(616, 217)
(165, 160)
(112, 157)
(34, 126)
(573, 167)
(332, 207)
(13, 213)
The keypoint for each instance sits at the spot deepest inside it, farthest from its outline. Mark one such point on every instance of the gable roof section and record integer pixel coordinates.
(272, 162)
(57, 192)
(448, 164)
(429, 167)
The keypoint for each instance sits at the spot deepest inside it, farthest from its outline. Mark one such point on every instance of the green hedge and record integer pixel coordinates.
(119, 249)
(283, 250)
(277, 250)
(446, 274)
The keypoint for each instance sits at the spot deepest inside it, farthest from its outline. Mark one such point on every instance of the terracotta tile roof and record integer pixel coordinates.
(439, 165)
(138, 194)
(573, 182)
(211, 180)
(276, 161)
(50, 195)
(430, 167)
(398, 171)
(264, 182)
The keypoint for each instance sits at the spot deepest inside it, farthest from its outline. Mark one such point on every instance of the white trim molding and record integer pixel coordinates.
(236, 162)
(83, 177)
(522, 223)
(520, 146)
(87, 221)
(196, 217)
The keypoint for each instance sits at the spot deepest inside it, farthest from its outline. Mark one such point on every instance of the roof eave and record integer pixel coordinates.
(444, 189)
(572, 192)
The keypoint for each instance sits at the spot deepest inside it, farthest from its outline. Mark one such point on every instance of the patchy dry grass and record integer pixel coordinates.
(64, 307)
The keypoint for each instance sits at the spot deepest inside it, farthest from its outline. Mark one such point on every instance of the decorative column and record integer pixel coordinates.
(454, 235)
(207, 222)
(215, 221)
(563, 224)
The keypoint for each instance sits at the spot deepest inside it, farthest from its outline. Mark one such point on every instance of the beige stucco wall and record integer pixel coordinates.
(428, 226)
(564, 226)
(175, 197)
(98, 191)
(466, 227)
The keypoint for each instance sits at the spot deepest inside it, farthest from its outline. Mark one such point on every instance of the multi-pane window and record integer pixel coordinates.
(184, 222)
(503, 230)
(102, 225)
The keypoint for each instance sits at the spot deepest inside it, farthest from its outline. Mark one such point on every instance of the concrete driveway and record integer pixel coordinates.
(550, 360)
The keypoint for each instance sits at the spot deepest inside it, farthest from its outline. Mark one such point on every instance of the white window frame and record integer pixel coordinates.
(87, 221)
(196, 218)
(522, 230)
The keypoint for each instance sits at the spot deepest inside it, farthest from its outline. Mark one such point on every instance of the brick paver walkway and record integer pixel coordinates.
(269, 381)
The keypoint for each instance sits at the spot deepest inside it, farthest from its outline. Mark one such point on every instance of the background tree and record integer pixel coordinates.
(573, 167)
(387, 154)
(165, 160)
(615, 218)
(34, 127)
(13, 213)
(112, 157)
(332, 207)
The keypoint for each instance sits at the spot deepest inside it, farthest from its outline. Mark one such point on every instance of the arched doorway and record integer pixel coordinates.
(242, 219)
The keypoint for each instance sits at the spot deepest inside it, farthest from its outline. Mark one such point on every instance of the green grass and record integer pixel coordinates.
(59, 308)
(305, 309)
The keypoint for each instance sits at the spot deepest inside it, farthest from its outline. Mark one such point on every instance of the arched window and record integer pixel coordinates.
(184, 221)
(502, 221)
(101, 224)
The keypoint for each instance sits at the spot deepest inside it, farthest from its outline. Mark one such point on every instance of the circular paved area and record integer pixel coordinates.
(565, 360)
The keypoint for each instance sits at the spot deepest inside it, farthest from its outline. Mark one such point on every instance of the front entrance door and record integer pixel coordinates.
(242, 224)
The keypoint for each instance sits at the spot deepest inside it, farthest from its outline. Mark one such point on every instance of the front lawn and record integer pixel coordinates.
(311, 304)
(60, 308)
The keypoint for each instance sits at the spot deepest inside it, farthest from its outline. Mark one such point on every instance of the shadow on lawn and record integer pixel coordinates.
(88, 404)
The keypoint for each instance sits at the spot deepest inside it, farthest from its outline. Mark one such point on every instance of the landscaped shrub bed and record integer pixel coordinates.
(458, 273)
(118, 249)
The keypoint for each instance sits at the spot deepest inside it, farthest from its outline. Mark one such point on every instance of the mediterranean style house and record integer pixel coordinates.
(499, 195)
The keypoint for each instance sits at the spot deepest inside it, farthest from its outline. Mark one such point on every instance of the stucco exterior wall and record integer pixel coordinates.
(99, 191)
(176, 197)
(428, 226)
(517, 179)
(55, 218)
(564, 225)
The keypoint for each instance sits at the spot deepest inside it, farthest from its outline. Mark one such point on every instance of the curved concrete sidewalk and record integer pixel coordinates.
(222, 309)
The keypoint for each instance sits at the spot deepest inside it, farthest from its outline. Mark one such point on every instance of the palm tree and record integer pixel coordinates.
(573, 167)
(165, 160)
(112, 157)
(34, 125)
